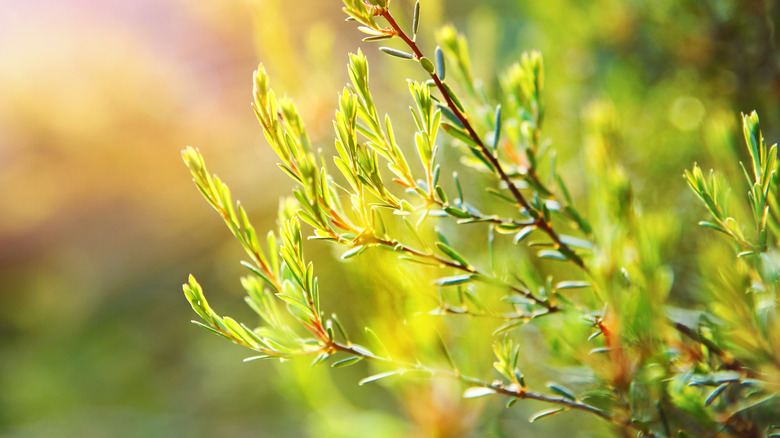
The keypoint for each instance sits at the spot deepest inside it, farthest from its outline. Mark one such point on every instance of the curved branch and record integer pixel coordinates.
(540, 221)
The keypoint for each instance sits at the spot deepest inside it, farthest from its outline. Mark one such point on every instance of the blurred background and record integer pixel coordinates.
(100, 223)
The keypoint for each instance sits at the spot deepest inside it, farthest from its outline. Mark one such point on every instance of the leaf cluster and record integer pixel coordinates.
(604, 282)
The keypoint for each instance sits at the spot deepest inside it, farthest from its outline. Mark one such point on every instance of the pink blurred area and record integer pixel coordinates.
(97, 99)
(99, 220)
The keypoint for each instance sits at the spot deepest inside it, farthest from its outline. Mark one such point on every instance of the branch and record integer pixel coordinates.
(499, 388)
(540, 221)
(728, 362)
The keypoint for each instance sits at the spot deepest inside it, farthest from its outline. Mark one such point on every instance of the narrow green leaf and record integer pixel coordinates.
(551, 254)
(543, 414)
(509, 326)
(379, 376)
(353, 252)
(571, 285)
(363, 350)
(497, 132)
(440, 193)
(714, 394)
(576, 242)
(481, 157)
(441, 235)
(451, 253)
(240, 331)
(562, 390)
(211, 329)
(440, 67)
(450, 115)
(446, 351)
(458, 201)
(319, 359)
(250, 359)
(397, 53)
(472, 297)
(336, 321)
(454, 98)
(416, 19)
(452, 281)
(457, 213)
(290, 173)
(347, 362)
(522, 234)
(478, 391)
(298, 304)
(406, 206)
(713, 226)
(378, 37)
(427, 65)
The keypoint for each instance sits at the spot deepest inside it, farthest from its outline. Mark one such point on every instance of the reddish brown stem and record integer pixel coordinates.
(541, 222)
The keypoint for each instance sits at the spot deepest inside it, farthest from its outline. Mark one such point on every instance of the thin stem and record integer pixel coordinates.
(494, 219)
(445, 308)
(540, 222)
(728, 362)
(551, 308)
(511, 390)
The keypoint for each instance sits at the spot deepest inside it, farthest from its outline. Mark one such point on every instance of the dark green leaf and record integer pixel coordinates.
(440, 67)
(454, 98)
(562, 390)
(449, 115)
(457, 213)
(458, 133)
(451, 253)
(497, 132)
(441, 194)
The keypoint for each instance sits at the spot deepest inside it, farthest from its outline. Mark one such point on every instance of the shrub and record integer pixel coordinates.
(594, 284)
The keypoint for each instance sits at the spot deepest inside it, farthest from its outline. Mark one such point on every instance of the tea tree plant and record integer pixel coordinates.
(594, 283)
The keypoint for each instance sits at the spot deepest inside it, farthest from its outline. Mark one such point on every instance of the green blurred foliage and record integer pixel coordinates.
(100, 222)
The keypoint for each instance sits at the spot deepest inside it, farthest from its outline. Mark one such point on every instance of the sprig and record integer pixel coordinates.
(374, 191)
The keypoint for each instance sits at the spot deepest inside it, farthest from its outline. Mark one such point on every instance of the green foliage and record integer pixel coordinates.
(595, 284)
